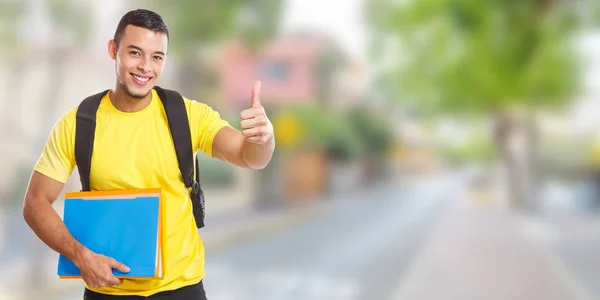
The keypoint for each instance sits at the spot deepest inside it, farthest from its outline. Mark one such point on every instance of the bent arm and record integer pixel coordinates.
(43, 219)
(230, 145)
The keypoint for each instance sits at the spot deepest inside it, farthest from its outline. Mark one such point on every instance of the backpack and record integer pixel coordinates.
(180, 132)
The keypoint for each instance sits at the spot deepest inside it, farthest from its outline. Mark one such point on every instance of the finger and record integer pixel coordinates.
(251, 113)
(258, 139)
(119, 266)
(253, 122)
(112, 281)
(255, 100)
(91, 284)
(257, 131)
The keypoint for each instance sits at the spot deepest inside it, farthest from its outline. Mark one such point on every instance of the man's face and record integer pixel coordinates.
(140, 58)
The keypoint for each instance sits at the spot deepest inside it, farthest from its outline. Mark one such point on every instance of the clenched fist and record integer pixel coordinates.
(256, 127)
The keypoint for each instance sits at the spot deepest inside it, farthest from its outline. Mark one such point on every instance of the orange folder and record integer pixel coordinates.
(122, 224)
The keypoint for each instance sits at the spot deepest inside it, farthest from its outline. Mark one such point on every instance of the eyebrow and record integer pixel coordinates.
(140, 49)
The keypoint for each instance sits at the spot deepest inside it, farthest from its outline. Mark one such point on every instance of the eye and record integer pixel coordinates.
(158, 57)
(134, 53)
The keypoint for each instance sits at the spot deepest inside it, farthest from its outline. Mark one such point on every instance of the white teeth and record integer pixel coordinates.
(141, 78)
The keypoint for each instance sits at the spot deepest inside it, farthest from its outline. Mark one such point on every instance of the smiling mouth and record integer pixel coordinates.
(141, 79)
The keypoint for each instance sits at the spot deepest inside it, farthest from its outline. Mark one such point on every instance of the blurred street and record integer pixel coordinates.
(360, 248)
(398, 238)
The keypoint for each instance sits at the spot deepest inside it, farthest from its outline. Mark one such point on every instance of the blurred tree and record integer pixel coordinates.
(490, 57)
(197, 27)
(70, 24)
(12, 49)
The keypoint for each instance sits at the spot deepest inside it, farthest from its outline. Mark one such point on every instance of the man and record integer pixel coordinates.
(133, 149)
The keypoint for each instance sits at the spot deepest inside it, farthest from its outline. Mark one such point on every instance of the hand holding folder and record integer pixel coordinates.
(118, 227)
(97, 270)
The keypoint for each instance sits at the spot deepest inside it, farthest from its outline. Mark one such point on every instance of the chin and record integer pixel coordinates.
(137, 92)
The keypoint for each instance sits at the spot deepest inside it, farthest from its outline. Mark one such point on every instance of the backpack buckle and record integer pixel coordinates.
(195, 187)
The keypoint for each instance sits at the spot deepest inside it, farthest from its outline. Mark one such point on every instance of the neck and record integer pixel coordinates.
(125, 103)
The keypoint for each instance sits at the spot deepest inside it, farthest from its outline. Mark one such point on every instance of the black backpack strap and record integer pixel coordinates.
(182, 139)
(85, 128)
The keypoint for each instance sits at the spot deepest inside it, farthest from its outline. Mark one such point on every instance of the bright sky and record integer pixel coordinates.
(339, 18)
(586, 115)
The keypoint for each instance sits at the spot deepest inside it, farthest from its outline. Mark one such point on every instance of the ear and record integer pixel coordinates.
(112, 49)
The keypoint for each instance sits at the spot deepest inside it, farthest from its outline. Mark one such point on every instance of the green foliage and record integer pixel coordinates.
(346, 135)
(12, 45)
(259, 21)
(478, 149)
(322, 129)
(345, 144)
(215, 173)
(71, 17)
(318, 125)
(18, 186)
(374, 130)
(472, 56)
(193, 24)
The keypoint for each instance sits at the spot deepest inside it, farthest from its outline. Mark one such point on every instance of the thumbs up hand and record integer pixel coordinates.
(256, 127)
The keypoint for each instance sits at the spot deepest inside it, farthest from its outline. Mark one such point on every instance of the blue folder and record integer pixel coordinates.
(125, 228)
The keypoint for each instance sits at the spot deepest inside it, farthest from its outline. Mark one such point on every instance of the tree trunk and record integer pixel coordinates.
(504, 127)
(532, 161)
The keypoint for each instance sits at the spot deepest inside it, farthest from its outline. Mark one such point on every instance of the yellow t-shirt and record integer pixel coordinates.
(135, 150)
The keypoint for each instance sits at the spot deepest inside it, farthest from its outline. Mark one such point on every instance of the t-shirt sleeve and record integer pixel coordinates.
(205, 123)
(58, 157)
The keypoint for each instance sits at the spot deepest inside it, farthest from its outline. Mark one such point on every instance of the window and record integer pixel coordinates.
(275, 71)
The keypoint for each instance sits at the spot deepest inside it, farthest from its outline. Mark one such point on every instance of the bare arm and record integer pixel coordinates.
(230, 145)
(257, 156)
(96, 269)
(43, 219)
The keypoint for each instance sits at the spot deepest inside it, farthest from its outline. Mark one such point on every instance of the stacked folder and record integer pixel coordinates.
(125, 225)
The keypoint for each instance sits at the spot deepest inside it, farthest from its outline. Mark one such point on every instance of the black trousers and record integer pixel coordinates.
(192, 292)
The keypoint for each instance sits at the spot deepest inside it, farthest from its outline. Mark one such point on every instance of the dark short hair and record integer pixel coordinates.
(141, 18)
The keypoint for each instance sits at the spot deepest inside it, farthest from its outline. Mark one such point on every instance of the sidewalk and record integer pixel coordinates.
(480, 251)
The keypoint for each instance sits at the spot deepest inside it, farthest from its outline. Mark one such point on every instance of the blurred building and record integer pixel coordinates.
(297, 68)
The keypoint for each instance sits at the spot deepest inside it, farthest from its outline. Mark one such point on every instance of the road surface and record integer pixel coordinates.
(358, 249)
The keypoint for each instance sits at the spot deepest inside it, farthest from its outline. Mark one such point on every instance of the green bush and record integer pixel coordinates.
(478, 148)
(375, 131)
(325, 130)
(345, 135)
(344, 143)
(215, 173)
(18, 186)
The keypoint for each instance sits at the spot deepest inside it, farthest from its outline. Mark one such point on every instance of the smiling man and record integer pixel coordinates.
(133, 148)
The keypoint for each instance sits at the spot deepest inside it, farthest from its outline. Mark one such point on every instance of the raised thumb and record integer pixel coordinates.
(255, 100)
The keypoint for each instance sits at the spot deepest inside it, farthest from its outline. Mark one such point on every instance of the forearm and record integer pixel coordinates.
(257, 156)
(49, 227)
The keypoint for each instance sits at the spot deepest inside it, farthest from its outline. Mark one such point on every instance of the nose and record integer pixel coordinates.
(144, 65)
